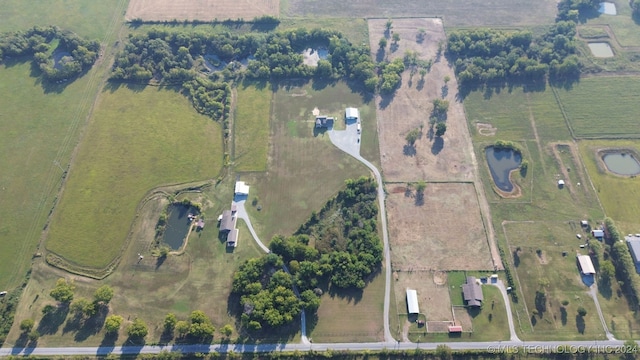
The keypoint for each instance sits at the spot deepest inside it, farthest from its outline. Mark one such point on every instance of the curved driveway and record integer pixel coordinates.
(349, 141)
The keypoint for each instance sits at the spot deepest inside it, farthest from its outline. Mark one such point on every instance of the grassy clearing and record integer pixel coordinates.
(304, 169)
(537, 252)
(139, 139)
(88, 18)
(618, 194)
(456, 279)
(621, 319)
(354, 317)
(603, 107)
(251, 128)
(624, 27)
(456, 13)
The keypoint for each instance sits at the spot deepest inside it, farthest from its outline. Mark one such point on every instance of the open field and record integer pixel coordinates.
(251, 128)
(454, 12)
(444, 233)
(618, 194)
(431, 158)
(139, 139)
(201, 10)
(355, 317)
(70, 15)
(39, 126)
(199, 279)
(304, 169)
(535, 249)
(622, 24)
(603, 107)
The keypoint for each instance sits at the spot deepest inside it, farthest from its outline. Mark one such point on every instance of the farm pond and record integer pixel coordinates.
(621, 163)
(601, 49)
(179, 220)
(501, 162)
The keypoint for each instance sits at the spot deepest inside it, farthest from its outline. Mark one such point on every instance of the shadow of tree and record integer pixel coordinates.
(437, 146)
(409, 150)
(52, 320)
(580, 324)
(563, 315)
(516, 258)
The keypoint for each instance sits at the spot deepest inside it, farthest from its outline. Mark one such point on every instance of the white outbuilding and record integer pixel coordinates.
(241, 188)
(412, 301)
(352, 114)
(586, 266)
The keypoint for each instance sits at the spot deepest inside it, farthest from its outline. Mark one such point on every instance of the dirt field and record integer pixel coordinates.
(205, 10)
(433, 299)
(431, 158)
(454, 12)
(444, 233)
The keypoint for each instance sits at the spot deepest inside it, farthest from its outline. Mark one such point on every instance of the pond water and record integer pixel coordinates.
(608, 8)
(622, 163)
(601, 49)
(501, 163)
(178, 223)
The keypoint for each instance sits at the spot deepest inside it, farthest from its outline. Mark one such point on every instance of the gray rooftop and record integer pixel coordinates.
(472, 292)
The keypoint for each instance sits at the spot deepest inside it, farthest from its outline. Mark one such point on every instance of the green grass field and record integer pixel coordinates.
(305, 169)
(139, 139)
(624, 27)
(536, 249)
(618, 194)
(88, 18)
(603, 107)
(251, 128)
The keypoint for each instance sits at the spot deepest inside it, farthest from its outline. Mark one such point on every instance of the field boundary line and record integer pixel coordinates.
(563, 111)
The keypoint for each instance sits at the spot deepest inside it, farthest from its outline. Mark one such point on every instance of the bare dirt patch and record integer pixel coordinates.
(205, 10)
(431, 158)
(445, 233)
(485, 129)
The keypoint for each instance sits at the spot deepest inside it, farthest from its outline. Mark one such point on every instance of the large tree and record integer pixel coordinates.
(112, 323)
(138, 329)
(63, 292)
(103, 294)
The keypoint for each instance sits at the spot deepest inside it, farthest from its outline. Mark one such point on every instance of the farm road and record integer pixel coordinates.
(349, 141)
(507, 304)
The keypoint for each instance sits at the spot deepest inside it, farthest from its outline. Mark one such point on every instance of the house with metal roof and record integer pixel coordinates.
(227, 222)
(633, 242)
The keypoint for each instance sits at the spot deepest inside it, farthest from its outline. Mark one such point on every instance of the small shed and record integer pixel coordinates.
(352, 114)
(584, 223)
(560, 183)
(586, 266)
(455, 328)
(412, 301)
(598, 234)
(241, 188)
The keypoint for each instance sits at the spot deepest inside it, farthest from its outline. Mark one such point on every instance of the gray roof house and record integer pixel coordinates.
(472, 292)
(226, 223)
(633, 242)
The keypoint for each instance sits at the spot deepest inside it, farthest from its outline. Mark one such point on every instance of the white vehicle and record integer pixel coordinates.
(359, 128)
(3, 293)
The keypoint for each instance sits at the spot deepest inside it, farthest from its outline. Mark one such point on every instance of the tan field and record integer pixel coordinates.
(203, 10)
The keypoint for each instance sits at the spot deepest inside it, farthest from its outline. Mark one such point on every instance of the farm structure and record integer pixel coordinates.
(352, 114)
(472, 292)
(412, 301)
(586, 266)
(598, 234)
(633, 242)
(241, 188)
(227, 221)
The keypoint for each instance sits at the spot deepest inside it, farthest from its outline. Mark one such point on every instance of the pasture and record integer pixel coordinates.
(167, 10)
(304, 169)
(617, 194)
(454, 12)
(439, 230)
(139, 138)
(536, 249)
(431, 158)
(603, 107)
(251, 128)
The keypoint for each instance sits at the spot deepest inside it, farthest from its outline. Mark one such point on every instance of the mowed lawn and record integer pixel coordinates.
(87, 18)
(137, 140)
(251, 127)
(603, 106)
(304, 168)
(618, 194)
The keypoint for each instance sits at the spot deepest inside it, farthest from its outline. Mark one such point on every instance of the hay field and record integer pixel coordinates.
(139, 139)
(204, 10)
(251, 128)
(454, 12)
(435, 159)
(444, 233)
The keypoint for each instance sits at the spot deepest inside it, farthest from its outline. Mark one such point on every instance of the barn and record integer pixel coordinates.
(586, 266)
(412, 301)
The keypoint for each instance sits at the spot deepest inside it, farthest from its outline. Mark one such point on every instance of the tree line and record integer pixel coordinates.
(346, 252)
(625, 270)
(41, 43)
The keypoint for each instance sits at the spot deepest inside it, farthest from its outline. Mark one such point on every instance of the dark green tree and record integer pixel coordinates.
(63, 292)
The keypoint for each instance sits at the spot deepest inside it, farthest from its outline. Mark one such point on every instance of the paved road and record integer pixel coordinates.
(602, 346)
(507, 304)
(348, 140)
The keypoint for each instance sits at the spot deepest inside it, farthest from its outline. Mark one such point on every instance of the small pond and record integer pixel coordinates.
(621, 163)
(608, 8)
(178, 223)
(601, 49)
(501, 163)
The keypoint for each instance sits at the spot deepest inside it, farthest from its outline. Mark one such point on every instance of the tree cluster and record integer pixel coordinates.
(43, 42)
(391, 75)
(488, 56)
(574, 9)
(624, 266)
(210, 98)
(266, 293)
